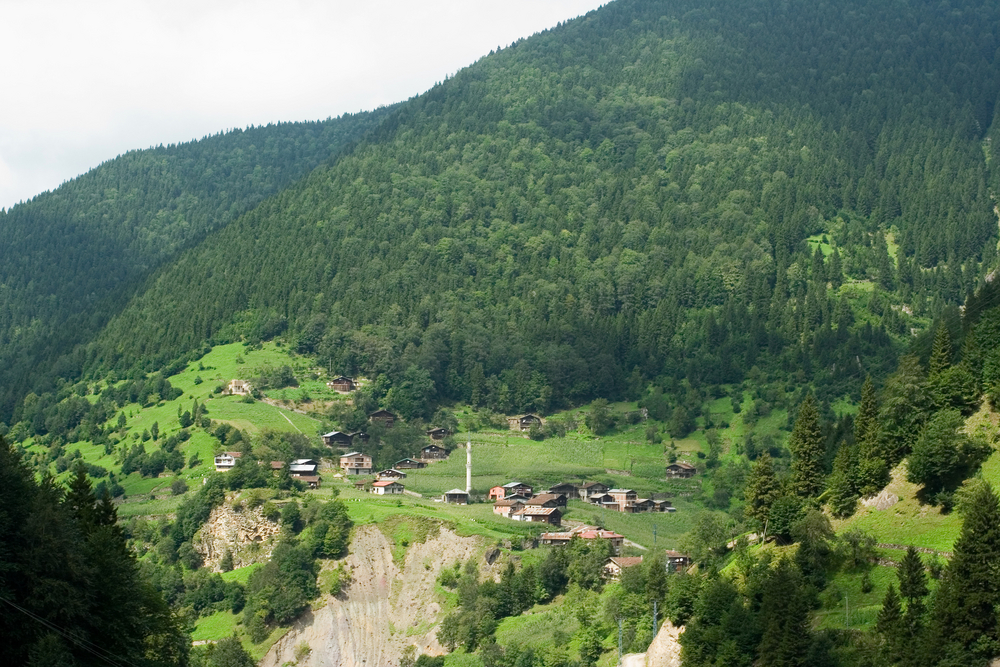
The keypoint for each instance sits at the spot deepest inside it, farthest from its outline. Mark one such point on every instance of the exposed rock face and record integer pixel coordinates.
(384, 609)
(665, 651)
(247, 534)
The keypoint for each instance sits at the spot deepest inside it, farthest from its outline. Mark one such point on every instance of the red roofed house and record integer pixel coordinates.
(586, 533)
(546, 500)
(507, 506)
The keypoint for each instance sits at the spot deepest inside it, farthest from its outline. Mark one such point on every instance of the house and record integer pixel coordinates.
(360, 435)
(438, 433)
(312, 480)
(497, 493)
(356, 463)
(386, 487)
(360, 484)
(681, 469)
(625, 498)
(663, 506)
(433, 453)
(517, 489)
(677, 561)
(303, 467)
(588, 489)
(524, 423)
(276, 466)
(585, 533)
(409, 464)
(384, 416)
(615, 564)
(602, 500)
(643, 505)
(391, 473)
(507, 506)
(342, 385)
(546, 500)
(549, 515)
(226, 460)
(240, 387)
(456, 497)
(338, 439)
(565, 489)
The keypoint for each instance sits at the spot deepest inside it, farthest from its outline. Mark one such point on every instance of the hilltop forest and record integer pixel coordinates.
(760, 236)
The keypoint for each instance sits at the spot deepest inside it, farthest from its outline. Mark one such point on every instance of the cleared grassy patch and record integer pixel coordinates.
(218, 626)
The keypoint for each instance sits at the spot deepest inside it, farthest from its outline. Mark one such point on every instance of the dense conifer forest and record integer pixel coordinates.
(71, 258)
(781, 207)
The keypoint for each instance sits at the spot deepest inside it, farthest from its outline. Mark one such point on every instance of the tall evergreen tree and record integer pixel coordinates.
(912, 579)
(866, 421)
(965, 609)
(843, 496)
(941, 351)
(762, 490)
(785, 617)
(807, 446)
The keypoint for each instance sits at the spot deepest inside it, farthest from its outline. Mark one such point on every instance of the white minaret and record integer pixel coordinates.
(468, 467)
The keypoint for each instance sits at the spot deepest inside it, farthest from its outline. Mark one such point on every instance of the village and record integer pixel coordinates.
(514, 501)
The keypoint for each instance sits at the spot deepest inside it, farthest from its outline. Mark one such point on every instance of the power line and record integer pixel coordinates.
(90, 647)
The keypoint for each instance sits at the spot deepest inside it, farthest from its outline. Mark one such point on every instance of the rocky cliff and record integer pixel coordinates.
(245, 532)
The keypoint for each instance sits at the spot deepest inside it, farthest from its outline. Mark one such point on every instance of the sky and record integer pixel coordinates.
(86, 81)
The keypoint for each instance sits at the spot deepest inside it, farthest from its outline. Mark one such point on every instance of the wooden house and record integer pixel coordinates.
(546, 500)
(588, 489)
(360, 436)
(303, 467)
(566, 489)
(613, 566)
(338, 439)
(386, 418)
(585, 533)
(517, 489)
(226, 461)
(642, 505)
(360, 484)
(524, 423)
(391, 473)
(433, 453)
(505, 507)
(549, 515)
(312, 480)
(239, 387)
(663, 506)
(386, 487)
(356, 463)
(342, 385)
(677, 561)
(681, 469)
(456, 497)
(438, 433)
(409, 464)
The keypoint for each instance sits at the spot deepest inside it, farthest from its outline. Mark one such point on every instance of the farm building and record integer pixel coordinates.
(338, 439)
(312, 480)
(342, 385)
(565, 489)
(549, 515)
(524, 423)
(386, 487)
(409, 464)
(681, 469)
(613, 566)
(677, 561)
(546, 500)
(384, 416)
(433, 453)
(239, 387)
(226, 460)
(391, 473)
(588, 489)
(456, 497)
(438, 433)
(506, 506)
(356, 463)
(303, 467)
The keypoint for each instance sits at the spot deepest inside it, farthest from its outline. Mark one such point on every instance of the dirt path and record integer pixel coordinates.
(385, 608)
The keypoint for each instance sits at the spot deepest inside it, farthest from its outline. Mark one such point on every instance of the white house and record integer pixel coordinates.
(226, 460)
(386, 488)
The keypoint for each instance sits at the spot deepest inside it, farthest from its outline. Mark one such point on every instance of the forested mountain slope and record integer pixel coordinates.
(628, 195)
(71, 258)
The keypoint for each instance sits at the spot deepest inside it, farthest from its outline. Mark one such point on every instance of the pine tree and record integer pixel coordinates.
(835, 270)
(843, 496)
(785, 617)
(965, 610)
(891, 625)
(940, 352)
(912, 580)
(866, 421)
(807, 446)
(762, 490)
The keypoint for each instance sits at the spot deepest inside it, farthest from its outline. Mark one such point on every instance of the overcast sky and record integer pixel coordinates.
(86, 81)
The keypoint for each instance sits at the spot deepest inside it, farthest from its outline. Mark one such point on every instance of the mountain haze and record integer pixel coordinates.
(627, 195)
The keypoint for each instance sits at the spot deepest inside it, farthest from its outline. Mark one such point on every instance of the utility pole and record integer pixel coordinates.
(847, 602)
(654, 536)
(655, 610)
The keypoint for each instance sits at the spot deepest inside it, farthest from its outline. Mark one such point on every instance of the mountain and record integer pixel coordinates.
(688, 191)
(72, 258)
